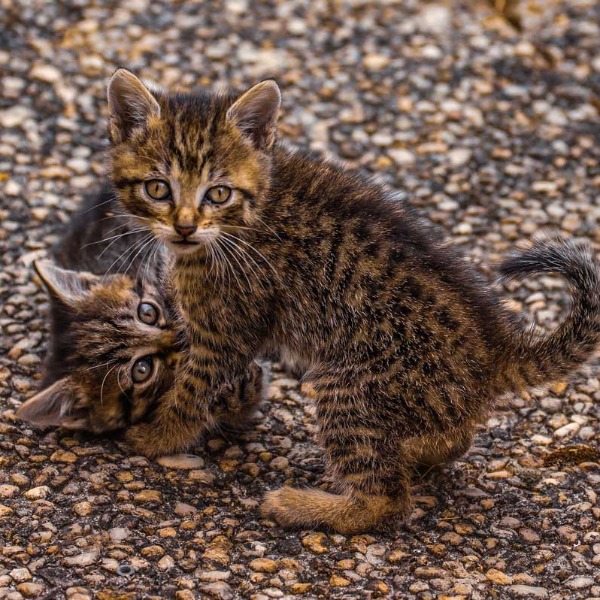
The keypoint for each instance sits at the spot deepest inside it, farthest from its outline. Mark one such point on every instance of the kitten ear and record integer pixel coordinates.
(255, 113)
(64, 285)
(130, 105)
(54, 406)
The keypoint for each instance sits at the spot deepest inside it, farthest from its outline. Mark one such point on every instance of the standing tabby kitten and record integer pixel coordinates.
(407, 348)
(114, 339)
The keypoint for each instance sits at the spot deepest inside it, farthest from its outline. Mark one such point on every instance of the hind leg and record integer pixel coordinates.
(439, 449)
(369, 470)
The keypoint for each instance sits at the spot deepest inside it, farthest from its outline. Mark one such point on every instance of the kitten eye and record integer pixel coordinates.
(142, 369)
(218, 194)
(147, 313)
(157, 189)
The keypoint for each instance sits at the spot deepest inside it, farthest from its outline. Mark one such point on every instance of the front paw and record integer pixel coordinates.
(155, 439)
(144, 440)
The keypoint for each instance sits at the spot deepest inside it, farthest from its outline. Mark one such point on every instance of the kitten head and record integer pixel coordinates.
(113, 351)
(191, 166)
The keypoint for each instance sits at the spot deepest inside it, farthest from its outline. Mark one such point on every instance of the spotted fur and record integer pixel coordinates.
(406, 347)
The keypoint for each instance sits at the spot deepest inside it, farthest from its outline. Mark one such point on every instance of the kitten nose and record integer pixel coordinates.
(186, 229)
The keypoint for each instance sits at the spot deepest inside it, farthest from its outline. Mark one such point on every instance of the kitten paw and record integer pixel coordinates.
(144, 440)
(280, 506)
(153, 440)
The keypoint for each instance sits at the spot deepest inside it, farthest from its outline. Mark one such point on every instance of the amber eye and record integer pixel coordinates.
(142, 369)
(218, 194)
(147, 313)
(157, 189)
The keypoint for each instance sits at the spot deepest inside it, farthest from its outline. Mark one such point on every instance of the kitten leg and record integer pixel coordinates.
(347, 514)
(436, 450)
(367, 464)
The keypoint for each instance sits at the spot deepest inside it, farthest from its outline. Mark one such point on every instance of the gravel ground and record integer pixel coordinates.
(492, 127)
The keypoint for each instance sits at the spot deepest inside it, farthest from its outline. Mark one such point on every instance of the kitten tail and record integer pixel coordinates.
(530, 361)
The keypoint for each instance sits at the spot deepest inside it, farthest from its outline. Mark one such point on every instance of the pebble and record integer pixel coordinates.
(529, 591)
(19, 575)
(218, 589)
(265, 565)
(37, 493)
(46, 73)
(579, 583)
(30, 589)
(81, 560)
(314, 542)
(181, 461)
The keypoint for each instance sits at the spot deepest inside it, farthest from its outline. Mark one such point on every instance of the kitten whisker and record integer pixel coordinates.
(244, 255)
(231, 249)
(95, 206)
(230, 235)
(102, 386)
(126, 253)
(235, 254)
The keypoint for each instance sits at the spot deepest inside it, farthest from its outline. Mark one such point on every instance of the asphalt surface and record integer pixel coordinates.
(490, 124)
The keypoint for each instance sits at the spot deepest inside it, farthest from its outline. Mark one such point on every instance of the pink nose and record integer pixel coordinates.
(185, 230)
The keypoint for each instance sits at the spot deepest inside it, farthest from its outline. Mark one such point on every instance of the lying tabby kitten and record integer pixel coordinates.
(407, 347)
(114, 340)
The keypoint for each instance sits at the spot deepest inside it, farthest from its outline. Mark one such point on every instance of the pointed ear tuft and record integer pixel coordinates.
(64, 285)
(130, 105)
(54, 406)
(255, 113)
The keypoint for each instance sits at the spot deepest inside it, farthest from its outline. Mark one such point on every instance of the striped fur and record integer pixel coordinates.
(404, 342)
(96, 336)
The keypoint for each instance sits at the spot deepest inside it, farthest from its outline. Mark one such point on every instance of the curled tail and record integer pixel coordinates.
(530, 360)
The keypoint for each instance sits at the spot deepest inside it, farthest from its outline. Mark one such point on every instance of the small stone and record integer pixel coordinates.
(8, 491)
(85, 559)
(314, 543)
(218, 589)
(30, 589)
(402, 157)
(37, 493)
(118, 534)
(376, 62)
(166, 563)
(459, 156)
(83, 509)
(181, 461)
(395, 556)
(148, 496)
(14, 116)
(280, 463)
(498, 577)
(152, 551)
(529, 591)
(337, 581)
(184, 510)
(579, 583)
(215, 575)
(263, 565)
(19, 575)
(46, 73)
(62, 456)
(300, 588)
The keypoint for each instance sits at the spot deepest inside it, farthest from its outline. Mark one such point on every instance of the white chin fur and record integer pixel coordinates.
(184, 249)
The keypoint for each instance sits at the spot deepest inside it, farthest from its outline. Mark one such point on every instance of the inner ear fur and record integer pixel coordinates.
(130, 105)
(55, 406)
(255, 113)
